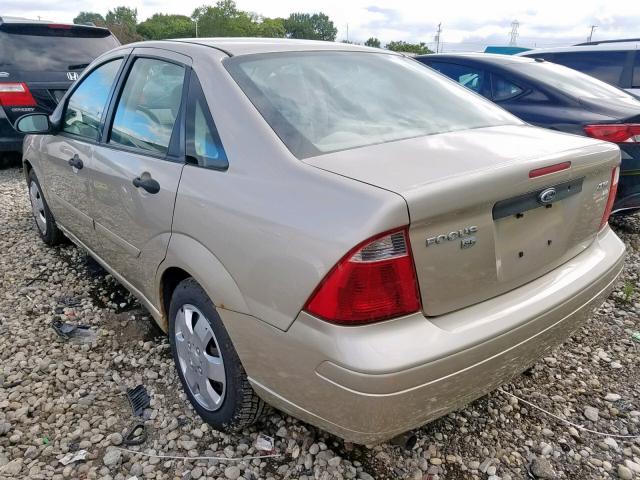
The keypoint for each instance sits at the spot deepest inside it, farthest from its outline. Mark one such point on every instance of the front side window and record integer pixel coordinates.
(605, 65)
(466, 76)
(321, 102)
(203, 142)
(148, 106)
(88, 102)
(503, 89)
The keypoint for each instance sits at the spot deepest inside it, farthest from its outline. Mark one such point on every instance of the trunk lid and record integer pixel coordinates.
(478, 228)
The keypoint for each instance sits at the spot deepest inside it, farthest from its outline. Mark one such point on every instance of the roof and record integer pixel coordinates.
(492, 58)
(29, 21)
(593, 47)
(248, 45)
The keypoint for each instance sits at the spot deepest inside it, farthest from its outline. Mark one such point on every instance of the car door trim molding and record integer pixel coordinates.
(131, 250)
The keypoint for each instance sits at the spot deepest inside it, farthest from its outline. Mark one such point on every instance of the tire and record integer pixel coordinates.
(207, 363)
(45, 223)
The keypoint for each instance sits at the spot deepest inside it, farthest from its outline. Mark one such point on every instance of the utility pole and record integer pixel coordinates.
(438, 35)
(347, 33)
(514, 33)
(593, 27)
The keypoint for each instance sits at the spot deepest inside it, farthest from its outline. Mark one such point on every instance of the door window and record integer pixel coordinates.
(466, 76)
(87, 103)
(148, 106)
(503, 89)
(604, 65)
(203, 141)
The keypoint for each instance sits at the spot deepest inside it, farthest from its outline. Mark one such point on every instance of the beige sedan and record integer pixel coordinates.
(334, 230)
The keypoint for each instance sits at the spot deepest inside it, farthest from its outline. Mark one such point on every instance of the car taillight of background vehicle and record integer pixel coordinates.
(613, 189)
(15, 95)
(615, 132)
(375, 281)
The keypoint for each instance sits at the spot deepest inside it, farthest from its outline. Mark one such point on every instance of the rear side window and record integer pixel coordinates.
(503, 89)
(87, 103)
(604, 65)
(203, 142)
(466, 76)
(148, 106)
(36, 48)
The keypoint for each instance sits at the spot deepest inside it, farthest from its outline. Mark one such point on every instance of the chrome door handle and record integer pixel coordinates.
(75, 162)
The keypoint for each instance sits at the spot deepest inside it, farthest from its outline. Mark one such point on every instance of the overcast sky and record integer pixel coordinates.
(466, 25)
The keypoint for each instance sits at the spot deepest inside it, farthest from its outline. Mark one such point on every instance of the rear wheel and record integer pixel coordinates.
(45, 222)
(208, 365)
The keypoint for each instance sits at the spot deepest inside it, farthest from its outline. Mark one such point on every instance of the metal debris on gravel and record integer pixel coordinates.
(73, 393)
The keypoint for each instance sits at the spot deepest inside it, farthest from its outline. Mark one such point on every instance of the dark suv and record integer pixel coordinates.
(38, 62)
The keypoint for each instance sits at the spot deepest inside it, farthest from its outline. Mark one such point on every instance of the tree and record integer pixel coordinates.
(90, 17)
(122, 22)
(372, 42)
(223, 20)
(313, 27)
(161, 26)
(401, 46)
(270, 27)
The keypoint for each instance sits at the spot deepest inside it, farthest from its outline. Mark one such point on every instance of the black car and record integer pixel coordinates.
(552, 96)
(38, 62)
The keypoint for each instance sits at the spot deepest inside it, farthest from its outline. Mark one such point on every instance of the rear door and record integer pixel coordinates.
(68, 155)
(48, 58)
(136, 168)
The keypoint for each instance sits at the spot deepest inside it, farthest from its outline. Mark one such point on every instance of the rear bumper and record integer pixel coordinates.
(10, 139)
(370, 383)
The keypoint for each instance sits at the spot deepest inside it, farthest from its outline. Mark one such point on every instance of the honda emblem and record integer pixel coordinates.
(72, 76)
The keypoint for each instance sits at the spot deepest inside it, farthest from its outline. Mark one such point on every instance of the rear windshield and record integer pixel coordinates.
(571, 82)
(42, 48)
(321, 102)
(605, 65)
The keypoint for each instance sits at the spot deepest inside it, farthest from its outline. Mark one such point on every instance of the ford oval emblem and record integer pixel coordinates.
(547, 196)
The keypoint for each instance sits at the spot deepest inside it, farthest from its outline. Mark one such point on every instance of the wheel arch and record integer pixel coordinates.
(186, 257)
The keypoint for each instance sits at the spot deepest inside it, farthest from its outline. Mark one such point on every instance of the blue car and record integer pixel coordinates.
(556, 97)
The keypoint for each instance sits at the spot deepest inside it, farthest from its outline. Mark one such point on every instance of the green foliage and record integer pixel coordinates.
(401, 46)
(161, 26)
(627, 291)
(122, 21)
(372, 42)
(270, 28)
(90, 17)
(223, 20)
(313, 27)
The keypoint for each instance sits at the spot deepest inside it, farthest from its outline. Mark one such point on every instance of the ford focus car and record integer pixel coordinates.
(333, 230)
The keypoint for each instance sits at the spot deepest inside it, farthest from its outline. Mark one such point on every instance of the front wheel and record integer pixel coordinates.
(45, 223)
(208, 365)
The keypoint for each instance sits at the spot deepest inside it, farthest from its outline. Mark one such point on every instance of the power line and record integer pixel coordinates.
(514, 33)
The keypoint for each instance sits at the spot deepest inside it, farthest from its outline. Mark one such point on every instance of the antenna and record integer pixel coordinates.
(593, 27)
(514, 33)
(437, 38)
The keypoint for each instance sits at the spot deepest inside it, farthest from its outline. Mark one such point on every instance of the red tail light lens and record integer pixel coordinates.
(16, 95)
(613, 189)
(374, 281)
(616, 132)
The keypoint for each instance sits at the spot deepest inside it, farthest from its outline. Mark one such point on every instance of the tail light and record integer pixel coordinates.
(615, 132)
(375, 281)
(16, 95)
(613, 189)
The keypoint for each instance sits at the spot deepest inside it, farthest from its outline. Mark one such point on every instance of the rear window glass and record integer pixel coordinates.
(41, 48)
(321, 102)
(606, 65)
(466, 76)
(574, 84)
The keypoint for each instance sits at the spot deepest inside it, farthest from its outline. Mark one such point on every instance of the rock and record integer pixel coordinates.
(232, 472)
(115, 439)
(612, 397)
(541, 468)
(188, 444)
(112, 457)
(633, 466)
(12, 469)
(591, 413)
(335, 461)
(611, 443)
(624, 473)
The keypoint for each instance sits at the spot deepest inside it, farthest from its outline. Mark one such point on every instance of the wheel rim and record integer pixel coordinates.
(37, 206)
(199, 357)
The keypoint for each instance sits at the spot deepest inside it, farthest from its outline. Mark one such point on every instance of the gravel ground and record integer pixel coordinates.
(61, 396)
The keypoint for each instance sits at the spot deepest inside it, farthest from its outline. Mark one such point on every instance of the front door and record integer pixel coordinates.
(134, 175)
(68, 156)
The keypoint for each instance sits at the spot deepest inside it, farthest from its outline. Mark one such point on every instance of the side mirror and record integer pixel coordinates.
(34, 123)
